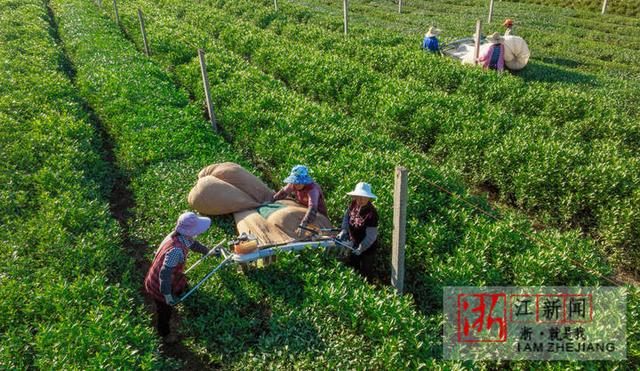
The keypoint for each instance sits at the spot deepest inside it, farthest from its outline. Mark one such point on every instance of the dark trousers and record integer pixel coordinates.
(364, 263)
(164, 312)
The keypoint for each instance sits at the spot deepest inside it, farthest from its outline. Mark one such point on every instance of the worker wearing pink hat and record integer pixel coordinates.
(165, 280)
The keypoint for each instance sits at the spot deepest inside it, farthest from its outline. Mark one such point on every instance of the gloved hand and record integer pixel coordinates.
(169, 299)
(358, 251)
(343, 235)
(216, 252)
(300, 232)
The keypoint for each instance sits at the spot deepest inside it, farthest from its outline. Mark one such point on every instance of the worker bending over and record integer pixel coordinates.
(360, 225)
(493, 58)
(306, 191)
(165, 280)
(430, 42)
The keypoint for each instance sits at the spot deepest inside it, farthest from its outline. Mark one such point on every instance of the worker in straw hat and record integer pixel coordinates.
(165, 280)
(430, 41)
(360, 225)
(493, 57)
(307, 193)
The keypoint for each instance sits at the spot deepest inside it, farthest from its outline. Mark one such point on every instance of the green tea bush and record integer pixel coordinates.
(465, 134)
(285, 129)
(628, 8)
(68, 301)
(235, 320)
(447, 245)
(564, 31)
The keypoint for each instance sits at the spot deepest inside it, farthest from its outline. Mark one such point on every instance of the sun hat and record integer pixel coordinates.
(299, 175)
(495, 38)
(432, 32)
(364, 190)
(191, 225)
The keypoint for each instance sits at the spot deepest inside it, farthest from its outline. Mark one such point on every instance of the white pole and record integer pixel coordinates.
(207, 92)
(399, 229)
(275, 3)
(400, 6)
(476, 52)
(345, 7)
(604, 6)
(491, 11)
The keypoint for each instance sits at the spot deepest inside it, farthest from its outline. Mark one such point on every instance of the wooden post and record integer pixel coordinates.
(275, 3)
(399, 229)
(476, 53)
(207, 92)
(400, 6)
(144, 33)
(345, 8)
(604, 6)
(490, 11)
(115, 9)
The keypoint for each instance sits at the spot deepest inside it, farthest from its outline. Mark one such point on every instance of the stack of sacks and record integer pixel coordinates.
(228, 188)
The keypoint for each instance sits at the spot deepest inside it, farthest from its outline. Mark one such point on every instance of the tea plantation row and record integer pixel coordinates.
(553, 40)
(281, 128)
(67, 296)
(607, 50)
(387, 53)
(247, 100)
(628, 8)
(572, 163)
(300, 312)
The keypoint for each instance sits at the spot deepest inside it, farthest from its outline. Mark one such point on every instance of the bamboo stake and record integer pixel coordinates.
(399, 229)
(207, 92)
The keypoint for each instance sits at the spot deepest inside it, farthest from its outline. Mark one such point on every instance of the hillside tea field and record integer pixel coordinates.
(103, 143)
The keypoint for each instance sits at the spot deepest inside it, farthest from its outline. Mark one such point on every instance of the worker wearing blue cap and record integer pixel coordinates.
(307, 193)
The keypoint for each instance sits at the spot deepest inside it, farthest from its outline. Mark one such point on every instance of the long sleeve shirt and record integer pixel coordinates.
(362, 224)
(431, 44)
(173, 258)
(493, 58)
(310, 196)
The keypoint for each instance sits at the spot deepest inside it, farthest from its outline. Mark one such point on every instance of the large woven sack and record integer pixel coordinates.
(213, 196)
(250, 221)
(516, 52)
(240, 178)
(288, 218)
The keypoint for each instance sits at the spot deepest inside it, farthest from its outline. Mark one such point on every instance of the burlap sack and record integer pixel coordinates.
(210, 169)
(250, 221)
(240, 178)
(213, 196)
(288, 218)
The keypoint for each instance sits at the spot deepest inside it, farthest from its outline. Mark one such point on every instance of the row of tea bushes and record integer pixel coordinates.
(299, 312)
(68, 300)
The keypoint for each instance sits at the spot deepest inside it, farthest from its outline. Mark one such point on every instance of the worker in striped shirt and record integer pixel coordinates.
(165, 280)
